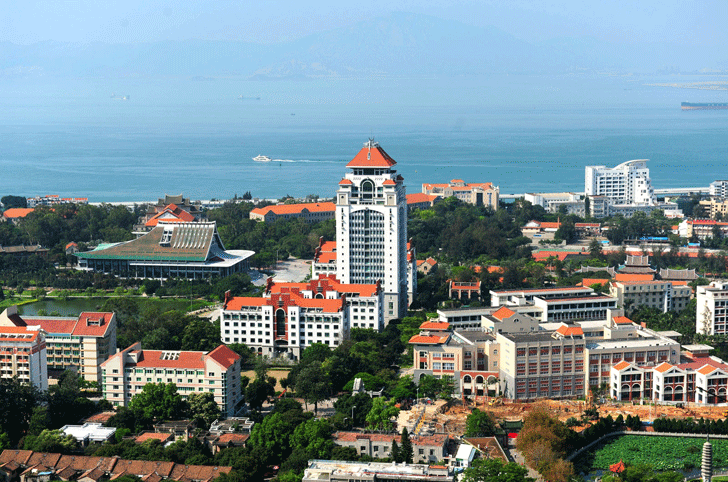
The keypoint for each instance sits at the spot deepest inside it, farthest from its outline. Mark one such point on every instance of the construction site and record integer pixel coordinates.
(444, 417)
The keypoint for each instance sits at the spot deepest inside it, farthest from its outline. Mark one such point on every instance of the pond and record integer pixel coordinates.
(70, 307)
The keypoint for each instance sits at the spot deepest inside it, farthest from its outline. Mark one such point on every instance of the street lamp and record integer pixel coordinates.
(417, 402)
(352, 413)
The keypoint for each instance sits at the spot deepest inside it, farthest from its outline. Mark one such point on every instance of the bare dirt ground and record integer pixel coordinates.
(277, 374)
(452, 419)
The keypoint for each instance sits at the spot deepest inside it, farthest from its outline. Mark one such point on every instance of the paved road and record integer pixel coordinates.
(290, 271)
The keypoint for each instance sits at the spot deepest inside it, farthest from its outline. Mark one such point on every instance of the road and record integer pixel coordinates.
(290, 271)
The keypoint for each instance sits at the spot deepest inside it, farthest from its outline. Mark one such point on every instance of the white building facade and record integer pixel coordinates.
(712, 308)
(628, 183)
(371, 227)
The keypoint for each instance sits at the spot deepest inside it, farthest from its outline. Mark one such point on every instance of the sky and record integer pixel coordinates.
(270, 21)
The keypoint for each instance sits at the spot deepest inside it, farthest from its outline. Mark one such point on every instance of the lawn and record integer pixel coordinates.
(662, 453)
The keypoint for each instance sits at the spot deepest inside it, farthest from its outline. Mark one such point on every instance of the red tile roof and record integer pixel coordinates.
(663, 367)
(570, 330)
(373, 156)
(14, 213)
(326, 257)
(622, 320)
(187, 359)
(428, 340)
(503, 313)
(707, 370)
(435, 325)
(171, 214)
(345, 182)
(224, 356)
(162, 437)
(17, 333)
(543, 255)
(633, 277)
(232, 438)
(420, 197)
(593, 281)
(621, 365)
(280, 209)
(389, 182)
(88, 324)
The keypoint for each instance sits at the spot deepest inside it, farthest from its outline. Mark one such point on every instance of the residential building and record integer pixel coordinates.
(89, 432)
(695, 378)
(371, 227)
(660, 294)
(324, 259)
(712, 308)
(552, 202)
(23, 355)
(180, 202)
(411, 272)
(715, 208)
(53, 200)
(628, 183)
(570, 309)
(309, 212)
(170, 250)
(80, 343)
(87, 469)
(719, 188)
(523, 296)
(426, 266)
(427, 448)
(420, 200)
(625, 189)
(14, 215)
(539, 230)
(702, 228)
(478, 194)
(469, 357)
(291, 316)
(218, 372)
(340, 471)
(169, 214)
(23, 251)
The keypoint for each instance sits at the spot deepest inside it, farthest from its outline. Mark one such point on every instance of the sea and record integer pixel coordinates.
(197, 136)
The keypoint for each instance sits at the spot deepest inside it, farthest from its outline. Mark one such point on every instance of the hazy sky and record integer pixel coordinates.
(681, 22)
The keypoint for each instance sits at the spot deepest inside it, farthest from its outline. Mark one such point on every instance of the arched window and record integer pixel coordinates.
(280, 323)
(367, 189)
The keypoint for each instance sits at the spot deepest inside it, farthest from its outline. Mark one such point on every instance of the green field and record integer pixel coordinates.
(662, 453)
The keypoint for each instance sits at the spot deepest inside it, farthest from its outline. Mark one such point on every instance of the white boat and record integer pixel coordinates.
(262, 158)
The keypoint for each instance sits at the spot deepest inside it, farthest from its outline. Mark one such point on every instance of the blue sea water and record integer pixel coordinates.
(197, 137)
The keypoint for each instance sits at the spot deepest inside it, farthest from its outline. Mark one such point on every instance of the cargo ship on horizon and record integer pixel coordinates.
(703, 105)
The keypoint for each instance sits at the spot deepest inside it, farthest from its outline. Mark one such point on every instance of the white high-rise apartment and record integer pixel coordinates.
(712, 308)
(719, 188)
(628, 183)
(371, 227)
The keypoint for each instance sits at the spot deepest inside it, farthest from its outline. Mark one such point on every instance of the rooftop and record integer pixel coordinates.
(281, 209)
(371, 155)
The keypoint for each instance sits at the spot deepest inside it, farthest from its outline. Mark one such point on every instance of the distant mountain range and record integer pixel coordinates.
(396, 45)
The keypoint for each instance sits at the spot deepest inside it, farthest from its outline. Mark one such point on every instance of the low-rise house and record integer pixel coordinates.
(420, 200)
(427, 449)
(89, 433)
(426, 266)
(340, 471)
(478, 194)
(43, 467)
(309, 212)
(162, 438)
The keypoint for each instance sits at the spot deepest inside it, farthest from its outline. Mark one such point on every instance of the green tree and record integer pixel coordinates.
(257, 392)
(312, 384)
(203, 407)
(315, 437)
(381, 414)
(50, 441)
(159, 401)
(407, 452)
(200, 335)
(479, 424)
(494, 470)
(40, 420)
(17, 402)
(396, 452)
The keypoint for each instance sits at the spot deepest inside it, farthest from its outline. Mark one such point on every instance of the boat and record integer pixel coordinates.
(262, 158)
(703, 106)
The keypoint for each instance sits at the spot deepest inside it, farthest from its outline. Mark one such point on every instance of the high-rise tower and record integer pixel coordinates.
(371, 227)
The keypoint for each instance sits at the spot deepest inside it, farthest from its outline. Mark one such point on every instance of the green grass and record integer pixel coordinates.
(662, 453)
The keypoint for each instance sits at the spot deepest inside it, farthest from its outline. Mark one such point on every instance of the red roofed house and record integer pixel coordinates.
(297, 315)
(540, 229)
(15, 214)
(126, 373)
(479, 194)
(179, 202)
(425, 266)
(420, 200)
(81, 343)
(310, 212)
